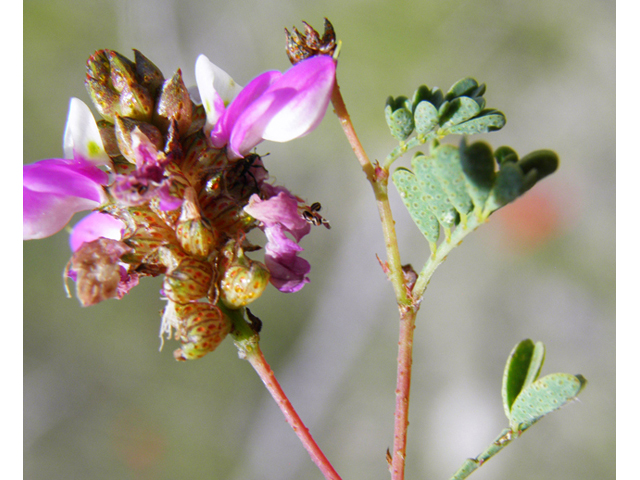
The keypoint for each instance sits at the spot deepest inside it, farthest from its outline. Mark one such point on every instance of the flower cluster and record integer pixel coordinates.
(174, 186)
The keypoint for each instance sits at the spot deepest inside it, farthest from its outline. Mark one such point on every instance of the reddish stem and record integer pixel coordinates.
(257, 361)
(403, 387)
(378, 177)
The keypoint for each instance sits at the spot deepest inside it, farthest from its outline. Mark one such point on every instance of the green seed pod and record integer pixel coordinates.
(241, 285)
(189, 282)
(194, 232)
(242, 280)
(201, 327)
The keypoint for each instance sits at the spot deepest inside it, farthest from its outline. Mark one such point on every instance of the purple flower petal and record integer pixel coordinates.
(55, 189)
(93, 226)
(313, 80)
(221, 133)
(280, 208)
(279, 215)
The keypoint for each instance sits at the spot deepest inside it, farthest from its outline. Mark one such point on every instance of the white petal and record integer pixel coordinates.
(81, 135)
(215, 86)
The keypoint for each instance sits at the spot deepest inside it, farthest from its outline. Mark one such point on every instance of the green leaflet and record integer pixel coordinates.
(458, 111)
(437, 199)
(522, 369)
(479, 166)
(416, 202)
(399, 117)
(448, 170)
(542, 397)
(486, 121)
(425, 116)
(526, 398)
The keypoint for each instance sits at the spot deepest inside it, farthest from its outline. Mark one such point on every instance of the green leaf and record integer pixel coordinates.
(522, 369)
(544, 162)
(543, 397)
(478, 166)
(435, 195)
(462, 87)
(447, 168)
(399, 118)
(425, 117)
(505, 154)
(460, 110)
(414, 198)
(508, 185)
(486, 121)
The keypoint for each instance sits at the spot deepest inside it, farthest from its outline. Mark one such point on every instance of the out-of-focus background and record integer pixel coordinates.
(100, 402)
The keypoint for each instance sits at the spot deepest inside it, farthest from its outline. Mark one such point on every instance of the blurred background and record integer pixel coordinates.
(100, 402)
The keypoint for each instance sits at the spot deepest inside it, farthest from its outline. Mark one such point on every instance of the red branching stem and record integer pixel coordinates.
(262, 368)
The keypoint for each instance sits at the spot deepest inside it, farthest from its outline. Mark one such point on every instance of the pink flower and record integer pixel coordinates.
(93, 226)
(55, 189)
(280, 215)
(273, 106)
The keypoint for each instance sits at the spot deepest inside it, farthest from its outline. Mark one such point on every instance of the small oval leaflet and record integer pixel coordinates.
(544, 396)
(522, 369)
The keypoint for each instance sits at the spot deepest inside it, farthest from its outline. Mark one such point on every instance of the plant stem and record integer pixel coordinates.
(378, 177)
(262, 368)
(470, 465)
(247, 342)
(440, 255)
(403, 387)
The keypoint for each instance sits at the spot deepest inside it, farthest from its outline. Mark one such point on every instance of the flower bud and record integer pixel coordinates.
(149, 75)
(174, 103)
(194, 232)
(105, 99)
(114, 87)
(242, 279)
(199, 326)
(108, 137)
(190, 281)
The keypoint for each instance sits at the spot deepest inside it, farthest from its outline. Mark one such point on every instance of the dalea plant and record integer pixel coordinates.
(174, 183)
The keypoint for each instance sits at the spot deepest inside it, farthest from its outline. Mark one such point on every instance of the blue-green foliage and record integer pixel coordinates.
(432, 114)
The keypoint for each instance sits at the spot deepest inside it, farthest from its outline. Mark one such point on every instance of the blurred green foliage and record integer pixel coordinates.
(101, 402)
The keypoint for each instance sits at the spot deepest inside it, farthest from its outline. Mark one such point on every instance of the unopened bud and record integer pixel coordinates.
(174, 103)
(149, 75)
(114, 87)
